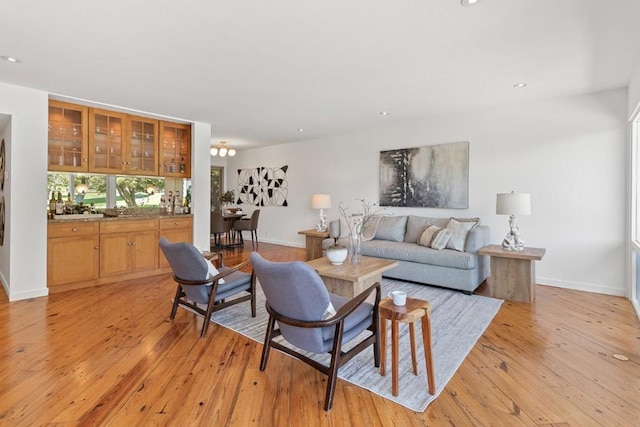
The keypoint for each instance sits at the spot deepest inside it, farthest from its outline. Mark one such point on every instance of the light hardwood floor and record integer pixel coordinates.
(109, 355)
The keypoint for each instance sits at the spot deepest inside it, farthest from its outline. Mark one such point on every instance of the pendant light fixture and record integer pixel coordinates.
(222, 150)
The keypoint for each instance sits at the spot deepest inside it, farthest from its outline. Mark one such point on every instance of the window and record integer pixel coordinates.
(104, 191)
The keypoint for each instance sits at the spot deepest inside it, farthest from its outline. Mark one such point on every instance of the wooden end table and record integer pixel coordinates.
(349, 280)
(313, 242)
(414, 309)
(513, 273)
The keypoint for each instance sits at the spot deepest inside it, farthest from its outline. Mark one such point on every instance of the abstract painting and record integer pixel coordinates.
(263, 186)
(432, 176)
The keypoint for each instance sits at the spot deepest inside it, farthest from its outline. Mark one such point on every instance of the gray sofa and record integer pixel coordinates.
(396, 237)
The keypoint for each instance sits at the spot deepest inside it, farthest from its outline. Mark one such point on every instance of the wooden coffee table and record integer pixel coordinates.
(349, 280)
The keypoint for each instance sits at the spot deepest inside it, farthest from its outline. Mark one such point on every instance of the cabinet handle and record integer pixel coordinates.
(74, 229)
(176, 223)
(96, 247)
(133, 243)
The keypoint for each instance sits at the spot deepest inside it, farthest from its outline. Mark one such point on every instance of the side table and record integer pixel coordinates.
(409, 313)
(513, 273)
(313, 242)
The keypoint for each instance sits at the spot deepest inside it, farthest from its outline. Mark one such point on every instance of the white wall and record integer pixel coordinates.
(23, 255)
(568, 153)
(634, 90)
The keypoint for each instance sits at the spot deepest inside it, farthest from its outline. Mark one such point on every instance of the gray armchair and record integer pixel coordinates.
(197, 286)
(298, 300)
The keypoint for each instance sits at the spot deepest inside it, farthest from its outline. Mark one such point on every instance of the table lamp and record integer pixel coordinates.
(513, 204)
(322, 202)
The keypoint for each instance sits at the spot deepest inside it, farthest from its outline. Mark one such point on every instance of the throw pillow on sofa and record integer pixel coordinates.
(392, 228)
(459, 231)
(435, 237)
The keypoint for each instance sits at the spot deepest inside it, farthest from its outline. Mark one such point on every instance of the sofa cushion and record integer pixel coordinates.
(370, 227)
(391, 228)
(415, 253)
(459, 230)
(435, 237)
(417, 224)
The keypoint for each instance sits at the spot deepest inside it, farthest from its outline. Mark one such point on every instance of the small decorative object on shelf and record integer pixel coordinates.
(336, 253)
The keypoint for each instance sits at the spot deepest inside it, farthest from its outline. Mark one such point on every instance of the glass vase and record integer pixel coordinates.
(356, 240)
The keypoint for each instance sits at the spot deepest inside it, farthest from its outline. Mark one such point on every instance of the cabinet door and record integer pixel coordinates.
(142, 140)
(114, 254)
(72, 259)
(68, 137)
(174, 147)
(145, 250)
(107, 147)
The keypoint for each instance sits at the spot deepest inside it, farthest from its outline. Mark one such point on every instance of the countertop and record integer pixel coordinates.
(122, 217)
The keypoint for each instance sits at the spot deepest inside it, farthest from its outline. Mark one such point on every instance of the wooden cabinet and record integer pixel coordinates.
(73, 254)
(94, 252)
(128, 246)
(68, 137)
(107, 148)
(142, 143)
(175, 229)
(83, 139)
(174, 147)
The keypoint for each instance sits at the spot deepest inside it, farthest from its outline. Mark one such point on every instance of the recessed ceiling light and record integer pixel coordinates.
(384, 113)
(300, 130)
(519, 85)
(9, 59)
(469, 2)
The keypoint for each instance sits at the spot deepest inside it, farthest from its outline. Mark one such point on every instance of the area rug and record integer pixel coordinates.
(457, 321)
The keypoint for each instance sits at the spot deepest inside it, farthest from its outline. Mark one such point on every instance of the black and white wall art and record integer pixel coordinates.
(432, 176)
(263, 186)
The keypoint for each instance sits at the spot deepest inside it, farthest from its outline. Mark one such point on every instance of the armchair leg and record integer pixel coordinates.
(333, 368)
(267, 343)
(175, 302)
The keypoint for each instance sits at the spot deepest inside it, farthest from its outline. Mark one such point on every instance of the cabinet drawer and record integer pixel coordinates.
(175, 222)
(124, 226)
(72, 228)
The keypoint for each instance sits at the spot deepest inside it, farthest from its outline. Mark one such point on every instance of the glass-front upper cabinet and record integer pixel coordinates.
(68, 142)
(107, 148)
(142, 137)
(174, 147)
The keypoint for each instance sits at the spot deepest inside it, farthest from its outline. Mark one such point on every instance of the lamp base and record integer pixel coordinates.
(512, 241)
(322, 224)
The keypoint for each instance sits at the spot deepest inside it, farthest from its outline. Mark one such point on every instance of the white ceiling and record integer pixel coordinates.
(259, 70)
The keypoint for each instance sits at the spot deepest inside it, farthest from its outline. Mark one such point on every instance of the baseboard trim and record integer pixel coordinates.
(586, 287)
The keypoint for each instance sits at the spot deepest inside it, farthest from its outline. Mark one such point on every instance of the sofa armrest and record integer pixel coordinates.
(477, 238)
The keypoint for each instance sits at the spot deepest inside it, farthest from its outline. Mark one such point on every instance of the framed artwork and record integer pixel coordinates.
(2, 160)
(432, 176)
(1, 220)
(263, 186)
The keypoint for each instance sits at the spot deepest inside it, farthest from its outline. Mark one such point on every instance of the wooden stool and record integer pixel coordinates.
(414, 310)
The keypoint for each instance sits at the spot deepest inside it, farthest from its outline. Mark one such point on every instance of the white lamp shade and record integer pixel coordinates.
(321, 201)
(513, 204)
(232, 152)
(214, 151)
(222, 152)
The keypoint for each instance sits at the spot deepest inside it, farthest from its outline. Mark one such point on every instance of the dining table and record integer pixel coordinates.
(233, 217)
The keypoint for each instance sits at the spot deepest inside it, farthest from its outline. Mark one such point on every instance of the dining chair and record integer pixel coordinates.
(220, 227)
(200, 283)
(298, 300)
(249, 224)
